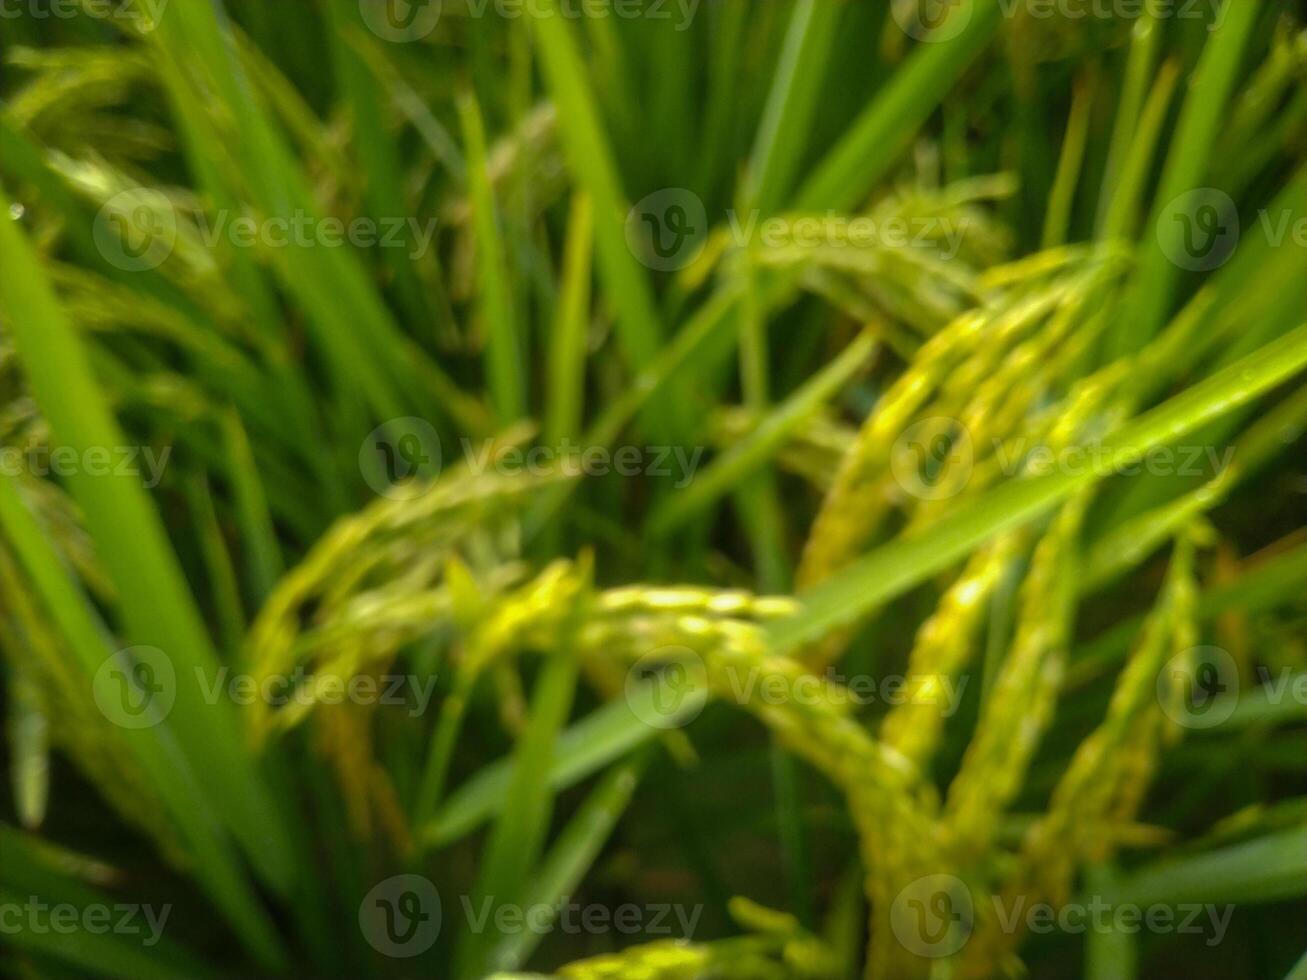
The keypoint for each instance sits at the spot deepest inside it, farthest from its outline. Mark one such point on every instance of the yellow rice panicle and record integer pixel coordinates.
(1104, 783)
(943, 646)
(1024, 693)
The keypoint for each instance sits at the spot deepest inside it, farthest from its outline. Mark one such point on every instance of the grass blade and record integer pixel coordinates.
(1155, 282)
(157, 608)
(504, 341)
(753, 451)
(873, 144)
(573, 854)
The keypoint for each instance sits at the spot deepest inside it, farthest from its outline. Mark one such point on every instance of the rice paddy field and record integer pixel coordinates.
(653, 489)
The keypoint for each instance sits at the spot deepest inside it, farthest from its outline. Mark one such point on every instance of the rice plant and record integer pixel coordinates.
(653, 489)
